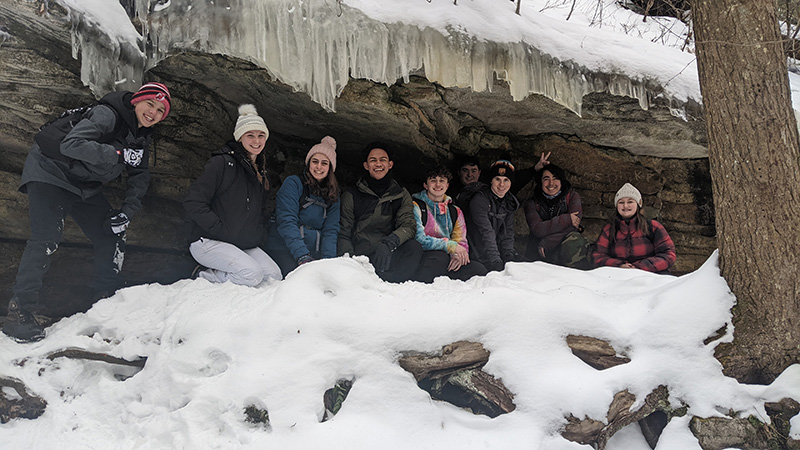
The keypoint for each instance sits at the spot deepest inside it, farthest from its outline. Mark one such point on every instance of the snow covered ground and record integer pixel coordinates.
(212, 350)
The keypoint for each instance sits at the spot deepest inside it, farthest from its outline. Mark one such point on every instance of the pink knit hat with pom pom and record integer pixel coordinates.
(327, 147)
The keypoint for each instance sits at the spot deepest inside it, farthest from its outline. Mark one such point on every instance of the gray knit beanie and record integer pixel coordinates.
(249, 120)
(628, 191)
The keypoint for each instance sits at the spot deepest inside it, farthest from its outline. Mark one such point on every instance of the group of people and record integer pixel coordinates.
(554, 214)
(232, 236)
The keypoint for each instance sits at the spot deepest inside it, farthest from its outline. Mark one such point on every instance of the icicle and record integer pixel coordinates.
(106, 64)
(309, 46)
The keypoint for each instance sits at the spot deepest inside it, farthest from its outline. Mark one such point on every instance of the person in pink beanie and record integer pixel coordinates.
(64, 174)
(307, 211)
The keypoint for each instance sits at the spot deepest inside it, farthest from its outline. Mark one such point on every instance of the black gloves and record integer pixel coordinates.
(391, 241)
(307, 258)
(382, 258)
(116, 222)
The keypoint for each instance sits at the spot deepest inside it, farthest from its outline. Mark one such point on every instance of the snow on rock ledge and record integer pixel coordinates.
(316, 46)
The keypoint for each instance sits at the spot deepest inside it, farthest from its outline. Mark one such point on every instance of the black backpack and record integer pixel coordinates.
(53, 132)
(423, 210)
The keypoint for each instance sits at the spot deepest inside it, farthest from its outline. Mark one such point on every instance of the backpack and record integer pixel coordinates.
(463, 198)
(423, 209)
(307, 200)
(53, 132)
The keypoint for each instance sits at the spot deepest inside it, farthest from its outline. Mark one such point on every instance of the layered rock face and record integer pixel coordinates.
(614, 141)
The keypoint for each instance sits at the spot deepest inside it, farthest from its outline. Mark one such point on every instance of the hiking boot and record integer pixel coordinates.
(21, 325)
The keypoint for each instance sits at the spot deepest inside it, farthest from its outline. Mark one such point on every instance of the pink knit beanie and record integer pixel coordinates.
(327, 147)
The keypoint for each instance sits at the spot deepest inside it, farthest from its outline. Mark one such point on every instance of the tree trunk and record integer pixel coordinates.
(754, 156)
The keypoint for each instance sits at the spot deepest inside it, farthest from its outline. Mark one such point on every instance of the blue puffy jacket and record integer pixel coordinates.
(312, 229)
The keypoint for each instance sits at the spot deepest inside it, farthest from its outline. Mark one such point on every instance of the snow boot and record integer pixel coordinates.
(21, 325)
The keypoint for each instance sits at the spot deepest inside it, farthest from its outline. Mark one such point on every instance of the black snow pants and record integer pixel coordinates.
(405, 260)
(49, 206)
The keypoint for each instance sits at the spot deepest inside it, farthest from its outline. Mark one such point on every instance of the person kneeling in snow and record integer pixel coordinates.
(227, 208)
(66, 178)
(631, 240)
(378, 219)
(442, 232)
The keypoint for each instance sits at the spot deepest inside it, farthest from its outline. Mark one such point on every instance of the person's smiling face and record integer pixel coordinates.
(149, 112)
(551, 185)
(501, 185)
(378, 163)
(627, 207)
(469, 173)
(253, 142)
(319, 165)
(436, 187)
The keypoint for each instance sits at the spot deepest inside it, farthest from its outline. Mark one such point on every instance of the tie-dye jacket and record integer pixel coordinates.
(440, 232)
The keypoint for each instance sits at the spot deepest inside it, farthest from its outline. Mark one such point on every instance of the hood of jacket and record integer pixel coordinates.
(121, 103)
(423, 196)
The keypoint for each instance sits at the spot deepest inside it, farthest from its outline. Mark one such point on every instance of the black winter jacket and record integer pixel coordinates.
(490, 228)
(367, 218)
(227, 202)
(92, 163)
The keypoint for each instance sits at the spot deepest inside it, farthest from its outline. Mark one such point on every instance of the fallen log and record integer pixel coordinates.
(455, 376)
(453, 357)
(596, 433)
(595, 352)
(77, 353)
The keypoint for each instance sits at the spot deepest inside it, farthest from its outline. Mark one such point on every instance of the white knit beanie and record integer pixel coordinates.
(327, 147)
(249, 120)
(628, 191)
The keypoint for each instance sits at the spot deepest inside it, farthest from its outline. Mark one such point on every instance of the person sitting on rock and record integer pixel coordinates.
(227, 208)
(490, 219)
(442, 232)
(631, 240)
(307, 211)
(469, 173)
(554, 216)
(377, 219)
(67, 179)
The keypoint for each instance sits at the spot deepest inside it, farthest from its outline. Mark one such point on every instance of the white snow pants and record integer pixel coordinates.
(227, 262)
